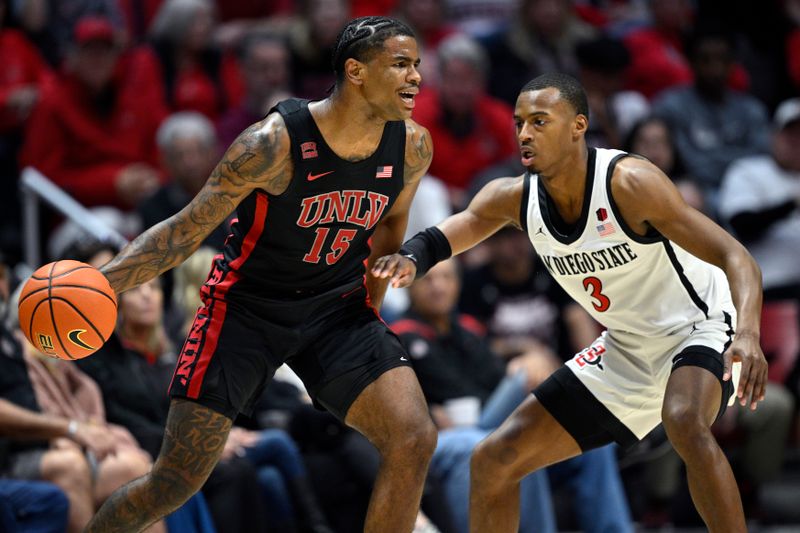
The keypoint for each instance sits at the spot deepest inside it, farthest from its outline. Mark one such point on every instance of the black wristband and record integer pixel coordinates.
(427, 248)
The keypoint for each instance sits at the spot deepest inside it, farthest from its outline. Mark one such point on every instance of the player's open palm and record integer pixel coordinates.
(753, 376)
(400, 269)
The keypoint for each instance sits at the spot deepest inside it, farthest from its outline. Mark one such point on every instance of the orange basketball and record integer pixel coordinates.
(67, 309)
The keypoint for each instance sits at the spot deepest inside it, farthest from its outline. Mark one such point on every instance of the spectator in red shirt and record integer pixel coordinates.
(94, 133)
(470, 129)
(658, 61)
(191, 72)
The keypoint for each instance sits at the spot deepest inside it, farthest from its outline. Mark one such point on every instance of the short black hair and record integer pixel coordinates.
(362, 37)
(570, 90)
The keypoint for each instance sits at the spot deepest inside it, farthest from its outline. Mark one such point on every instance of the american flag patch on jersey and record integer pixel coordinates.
(605, 229)
(384, 172)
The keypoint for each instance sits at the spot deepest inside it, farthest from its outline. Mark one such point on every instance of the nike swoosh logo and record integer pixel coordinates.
(312, 177)
(75, 337)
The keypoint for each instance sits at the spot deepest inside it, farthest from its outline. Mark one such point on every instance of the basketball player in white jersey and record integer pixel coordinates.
(666, 282)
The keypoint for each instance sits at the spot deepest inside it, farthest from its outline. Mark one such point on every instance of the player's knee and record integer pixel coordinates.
(492, 460)
(416, 441)
(685, 425)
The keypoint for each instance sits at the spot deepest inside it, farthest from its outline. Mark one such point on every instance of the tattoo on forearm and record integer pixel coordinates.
(193, 442)
(258, 158)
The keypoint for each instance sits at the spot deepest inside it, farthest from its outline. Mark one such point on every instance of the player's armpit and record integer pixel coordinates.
(259, 158)
(495, 206)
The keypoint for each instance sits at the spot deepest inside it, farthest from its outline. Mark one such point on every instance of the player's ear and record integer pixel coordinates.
(354, 71)
(579, 126)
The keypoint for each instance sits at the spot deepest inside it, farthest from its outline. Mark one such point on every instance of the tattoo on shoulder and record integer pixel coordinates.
(418, 154)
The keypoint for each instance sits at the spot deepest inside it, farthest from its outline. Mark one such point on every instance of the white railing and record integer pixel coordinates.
(35, 187)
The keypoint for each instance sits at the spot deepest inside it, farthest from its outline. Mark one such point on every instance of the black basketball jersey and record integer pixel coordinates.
(315, 235)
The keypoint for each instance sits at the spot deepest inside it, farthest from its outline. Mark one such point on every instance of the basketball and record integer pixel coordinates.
(67, 309)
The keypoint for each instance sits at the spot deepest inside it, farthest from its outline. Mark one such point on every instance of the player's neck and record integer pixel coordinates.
(347, 126)
(566, 183)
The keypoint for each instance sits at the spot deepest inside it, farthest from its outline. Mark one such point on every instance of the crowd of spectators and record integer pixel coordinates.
(128, 104)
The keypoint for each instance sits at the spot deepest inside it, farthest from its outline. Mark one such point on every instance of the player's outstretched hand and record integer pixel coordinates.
(746, 349)
(399, 268)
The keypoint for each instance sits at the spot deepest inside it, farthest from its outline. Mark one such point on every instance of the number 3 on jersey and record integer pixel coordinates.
(339, 246)
(601, 303)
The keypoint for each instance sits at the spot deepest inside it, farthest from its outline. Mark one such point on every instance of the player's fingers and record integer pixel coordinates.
(759, 390)
(385, 266)
(403, 280)
(727, 360)
(745, 380)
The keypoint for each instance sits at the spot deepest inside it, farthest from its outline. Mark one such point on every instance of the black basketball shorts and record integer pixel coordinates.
(335, 342)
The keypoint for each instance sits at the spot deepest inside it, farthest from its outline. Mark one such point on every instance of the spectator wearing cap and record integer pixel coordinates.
(470, 129)
(713, 124)
(612, 110)
(760, 199)
(64, 15)
(93, 134)
(264, 63)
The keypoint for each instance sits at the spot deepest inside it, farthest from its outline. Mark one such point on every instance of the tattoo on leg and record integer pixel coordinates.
(193, 442)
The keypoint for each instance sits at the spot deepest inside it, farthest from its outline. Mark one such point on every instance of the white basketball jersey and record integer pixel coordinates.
(643, 285)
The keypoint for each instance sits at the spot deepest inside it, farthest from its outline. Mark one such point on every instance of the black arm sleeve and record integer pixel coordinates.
(751, 225)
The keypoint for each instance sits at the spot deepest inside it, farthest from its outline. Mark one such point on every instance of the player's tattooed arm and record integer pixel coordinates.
(259, 158)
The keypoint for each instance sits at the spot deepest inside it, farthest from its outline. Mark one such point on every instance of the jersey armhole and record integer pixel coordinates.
(523, 204)
(652, 236)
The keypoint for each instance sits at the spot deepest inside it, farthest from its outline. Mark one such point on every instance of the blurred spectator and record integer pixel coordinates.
(23, 75)
(79, 455)
(612, 110)
(760, 199)
(64, 15)
(480, 17)
(32, 17)
(189, 150)
(94, 133)
(657, 50)
(652, 139)
(138, 16)
(541, 38)
(311, 41)
(32, 507)
(713, 125)
(189, 71)
(456, 367)
(133, 370)
(469, 129)
(264, 64)
(427, 19)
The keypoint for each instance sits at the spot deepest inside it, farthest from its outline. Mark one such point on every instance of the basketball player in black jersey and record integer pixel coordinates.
(320, 190)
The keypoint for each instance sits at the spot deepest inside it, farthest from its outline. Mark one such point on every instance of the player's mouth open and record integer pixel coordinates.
(527, 156)
(408, 98)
